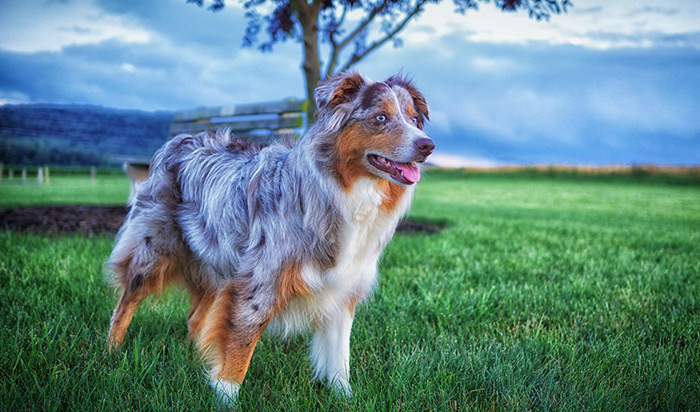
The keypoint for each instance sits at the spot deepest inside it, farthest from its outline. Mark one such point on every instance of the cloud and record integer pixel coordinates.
(664, 11)
(601, 24)
(157, 76)
(191, 58)
(548, 104)
(34, 26)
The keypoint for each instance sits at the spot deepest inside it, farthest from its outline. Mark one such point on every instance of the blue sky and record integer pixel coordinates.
(610, 82)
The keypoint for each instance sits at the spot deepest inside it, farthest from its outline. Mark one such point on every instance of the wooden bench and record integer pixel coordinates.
(260, 123)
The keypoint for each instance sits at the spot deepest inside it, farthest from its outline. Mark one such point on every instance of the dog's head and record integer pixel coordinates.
(377, 127)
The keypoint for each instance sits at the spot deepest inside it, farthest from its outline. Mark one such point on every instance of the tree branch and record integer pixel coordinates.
(378, 43)
(336, 48)
(336, 25)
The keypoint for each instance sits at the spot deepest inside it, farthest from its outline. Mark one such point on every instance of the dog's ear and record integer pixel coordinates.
(419, 101)
(338, 90)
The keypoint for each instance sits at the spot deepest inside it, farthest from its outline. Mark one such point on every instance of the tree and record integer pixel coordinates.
(352, 28)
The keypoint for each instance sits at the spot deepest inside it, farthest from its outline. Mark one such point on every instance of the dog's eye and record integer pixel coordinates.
(414, 119)
(381, 118)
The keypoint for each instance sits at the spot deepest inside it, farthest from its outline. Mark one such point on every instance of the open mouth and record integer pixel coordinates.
(406, 173)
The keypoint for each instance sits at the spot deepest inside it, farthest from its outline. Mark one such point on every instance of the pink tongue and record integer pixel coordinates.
(410, 171)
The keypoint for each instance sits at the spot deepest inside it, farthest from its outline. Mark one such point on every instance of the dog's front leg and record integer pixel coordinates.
(330, 351)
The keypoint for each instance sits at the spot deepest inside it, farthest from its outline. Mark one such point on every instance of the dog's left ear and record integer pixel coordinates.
(338, 90)
(419, 101)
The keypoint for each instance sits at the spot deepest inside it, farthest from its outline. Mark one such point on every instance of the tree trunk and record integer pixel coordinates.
(312, 71)
(308, 17)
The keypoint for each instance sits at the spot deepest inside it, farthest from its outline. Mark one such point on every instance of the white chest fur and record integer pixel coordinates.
(365, 232)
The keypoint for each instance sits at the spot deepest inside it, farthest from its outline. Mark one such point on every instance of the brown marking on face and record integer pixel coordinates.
(411, 113)
(359, 139)
(387, 107)
(350, 148)
(392, 195)
(421, 105)
(228, 339)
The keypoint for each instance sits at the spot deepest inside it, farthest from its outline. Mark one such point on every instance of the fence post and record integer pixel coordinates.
(1, 167)
(93, 174)
(46, 175)
(24, 174)
(40, 175)
(11, 174)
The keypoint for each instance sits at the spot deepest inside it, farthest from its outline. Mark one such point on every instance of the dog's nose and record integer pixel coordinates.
(424, 146)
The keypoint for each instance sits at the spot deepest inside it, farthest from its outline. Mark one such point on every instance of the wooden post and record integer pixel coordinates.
(1, 166)
(24, 174)
(93, 174)
(46, 175)
(40, 175)
(11, 174)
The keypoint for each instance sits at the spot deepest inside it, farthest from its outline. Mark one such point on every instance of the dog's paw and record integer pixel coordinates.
(226, 392)
(341, 387)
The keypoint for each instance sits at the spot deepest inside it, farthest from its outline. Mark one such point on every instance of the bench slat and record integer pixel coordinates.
(238, 126)
(203, 113)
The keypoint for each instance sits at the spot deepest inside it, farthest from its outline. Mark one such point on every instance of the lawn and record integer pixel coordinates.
(542, 294)
(108, 189)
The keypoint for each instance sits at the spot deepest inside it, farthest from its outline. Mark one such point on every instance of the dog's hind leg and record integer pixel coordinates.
(233, 328)
(123, 313)
(137, 280)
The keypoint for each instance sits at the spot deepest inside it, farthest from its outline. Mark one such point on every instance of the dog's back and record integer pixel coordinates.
(188, 174)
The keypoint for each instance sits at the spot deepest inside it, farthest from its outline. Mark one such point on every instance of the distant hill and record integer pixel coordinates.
(77, 135)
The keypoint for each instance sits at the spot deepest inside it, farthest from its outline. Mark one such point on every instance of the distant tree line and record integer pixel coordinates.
(38, 152)
(73, 135)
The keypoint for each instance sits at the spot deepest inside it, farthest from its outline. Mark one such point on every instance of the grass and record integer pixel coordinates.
(542, 294)
(65, 189)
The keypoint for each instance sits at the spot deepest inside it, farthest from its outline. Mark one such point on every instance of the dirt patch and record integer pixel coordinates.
(87, 220)
(93, 220)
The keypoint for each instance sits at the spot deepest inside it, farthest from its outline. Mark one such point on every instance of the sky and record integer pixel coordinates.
(610, 82)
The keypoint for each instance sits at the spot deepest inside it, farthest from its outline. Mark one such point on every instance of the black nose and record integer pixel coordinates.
(424, 146)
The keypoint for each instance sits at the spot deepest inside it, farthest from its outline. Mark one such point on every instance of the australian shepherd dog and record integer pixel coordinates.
(285, 237)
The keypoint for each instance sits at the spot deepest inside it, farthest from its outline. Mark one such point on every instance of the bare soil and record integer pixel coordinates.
(94, 220)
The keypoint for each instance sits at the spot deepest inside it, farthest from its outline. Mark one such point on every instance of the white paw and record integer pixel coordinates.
(341, 387)
(226, 392)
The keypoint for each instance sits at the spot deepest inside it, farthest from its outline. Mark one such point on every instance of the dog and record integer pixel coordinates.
(285, 237)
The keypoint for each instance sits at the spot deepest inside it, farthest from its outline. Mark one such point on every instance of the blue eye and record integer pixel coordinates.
(415, 120)
(381, 118)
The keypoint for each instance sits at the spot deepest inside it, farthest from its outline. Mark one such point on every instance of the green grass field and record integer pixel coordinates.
(542, 294)
(108, 189)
